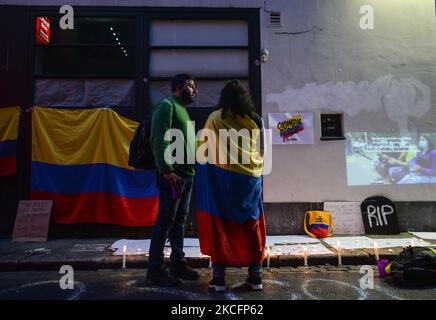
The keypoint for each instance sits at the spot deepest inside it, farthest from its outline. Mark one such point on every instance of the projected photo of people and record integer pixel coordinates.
(380, 158)
(422, 168)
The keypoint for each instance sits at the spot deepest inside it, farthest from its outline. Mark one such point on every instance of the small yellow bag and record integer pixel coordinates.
(318, 224)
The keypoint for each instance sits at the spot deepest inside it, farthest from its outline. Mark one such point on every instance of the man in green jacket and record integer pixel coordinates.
(174, 180)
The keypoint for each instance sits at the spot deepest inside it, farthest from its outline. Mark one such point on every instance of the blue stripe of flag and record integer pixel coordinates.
(8, 148)
(322, 226)
(93, 178)
(226, 194)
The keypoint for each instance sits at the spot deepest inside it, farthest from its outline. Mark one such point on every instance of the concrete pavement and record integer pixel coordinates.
(310, 283)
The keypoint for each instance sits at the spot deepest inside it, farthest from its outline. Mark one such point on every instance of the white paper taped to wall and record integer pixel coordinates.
(138, 247)
(368, 243)
(298, 250)
(293, 239)
(347, 217)
(425, 235)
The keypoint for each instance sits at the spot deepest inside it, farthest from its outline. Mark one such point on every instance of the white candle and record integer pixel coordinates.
(412, 243)
(124, 256)
(210, 262)
(339, 253)
(376, 251)
(268, 257)
(305, 255)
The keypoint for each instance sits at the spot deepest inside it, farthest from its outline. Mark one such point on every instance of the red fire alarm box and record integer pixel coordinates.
(43, 30)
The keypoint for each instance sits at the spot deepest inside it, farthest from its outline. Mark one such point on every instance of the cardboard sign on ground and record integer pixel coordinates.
(32, 221)
(379, 216)
(347, 218)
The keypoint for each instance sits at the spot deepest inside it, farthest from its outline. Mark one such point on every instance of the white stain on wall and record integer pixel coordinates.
(400, 98)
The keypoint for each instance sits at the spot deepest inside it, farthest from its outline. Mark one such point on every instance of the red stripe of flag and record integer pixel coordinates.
(231, 243)
(8, 166)
(99, 207)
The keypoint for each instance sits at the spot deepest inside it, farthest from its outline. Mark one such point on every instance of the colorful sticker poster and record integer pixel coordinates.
(291, 128)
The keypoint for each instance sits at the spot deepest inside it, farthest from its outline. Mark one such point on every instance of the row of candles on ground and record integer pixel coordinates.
(338, 249)
(305, 253)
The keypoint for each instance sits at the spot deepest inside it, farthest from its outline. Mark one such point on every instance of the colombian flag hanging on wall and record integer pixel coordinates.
(9, 122)
(229, 208)
(79, 160)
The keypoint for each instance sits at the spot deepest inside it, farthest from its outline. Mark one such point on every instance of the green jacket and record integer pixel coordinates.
(170, 114)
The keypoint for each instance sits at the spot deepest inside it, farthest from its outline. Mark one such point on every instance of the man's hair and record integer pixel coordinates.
(180, 80)
(236, 100)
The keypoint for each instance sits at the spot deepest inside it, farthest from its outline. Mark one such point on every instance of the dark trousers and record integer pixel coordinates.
(170, 223)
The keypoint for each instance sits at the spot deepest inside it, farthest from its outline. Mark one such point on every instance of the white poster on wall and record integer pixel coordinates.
(347, 217)
(291, 127)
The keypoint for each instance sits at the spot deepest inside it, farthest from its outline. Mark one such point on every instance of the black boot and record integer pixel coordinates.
(183, 271)
(254, 281)
(161, 278)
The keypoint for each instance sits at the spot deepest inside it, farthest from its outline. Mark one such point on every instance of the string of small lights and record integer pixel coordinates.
(117, 40)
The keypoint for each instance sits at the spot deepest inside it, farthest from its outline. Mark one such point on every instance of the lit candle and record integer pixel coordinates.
(268, 257)
(338, 244)
(412, 243)
(210, 262)
(305, 255)
(124, 256)
(376, 251)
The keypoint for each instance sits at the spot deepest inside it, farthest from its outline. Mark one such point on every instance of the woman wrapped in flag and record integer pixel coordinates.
(229, 208)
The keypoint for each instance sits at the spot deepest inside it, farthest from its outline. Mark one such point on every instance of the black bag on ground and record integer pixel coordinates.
(140, 154)
(414, 266)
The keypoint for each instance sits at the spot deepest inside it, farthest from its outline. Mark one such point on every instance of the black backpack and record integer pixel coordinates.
(140, 153)
(415, 266)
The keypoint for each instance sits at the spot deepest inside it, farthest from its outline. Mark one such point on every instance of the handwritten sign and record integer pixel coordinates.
(347, 218)
(379, 216)
(32, 221)
(332, 126)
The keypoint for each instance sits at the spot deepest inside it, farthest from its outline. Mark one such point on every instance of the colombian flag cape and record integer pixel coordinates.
(229, 208)
(80, 161)
(9, 122)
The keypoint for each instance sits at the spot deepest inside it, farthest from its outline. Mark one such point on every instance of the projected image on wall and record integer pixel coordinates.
(381, 158)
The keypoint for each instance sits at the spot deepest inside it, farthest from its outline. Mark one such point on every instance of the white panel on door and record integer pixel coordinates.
(198, 33)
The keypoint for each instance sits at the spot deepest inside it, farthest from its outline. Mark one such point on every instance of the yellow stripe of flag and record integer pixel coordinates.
(215, 122)
(9, 122)
(62, 136)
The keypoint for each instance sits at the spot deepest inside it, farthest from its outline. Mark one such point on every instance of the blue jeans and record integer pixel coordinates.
(170, 223)
(219, 270)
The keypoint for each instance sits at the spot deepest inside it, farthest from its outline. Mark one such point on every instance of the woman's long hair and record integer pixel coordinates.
(429, 138)
(236, 100)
